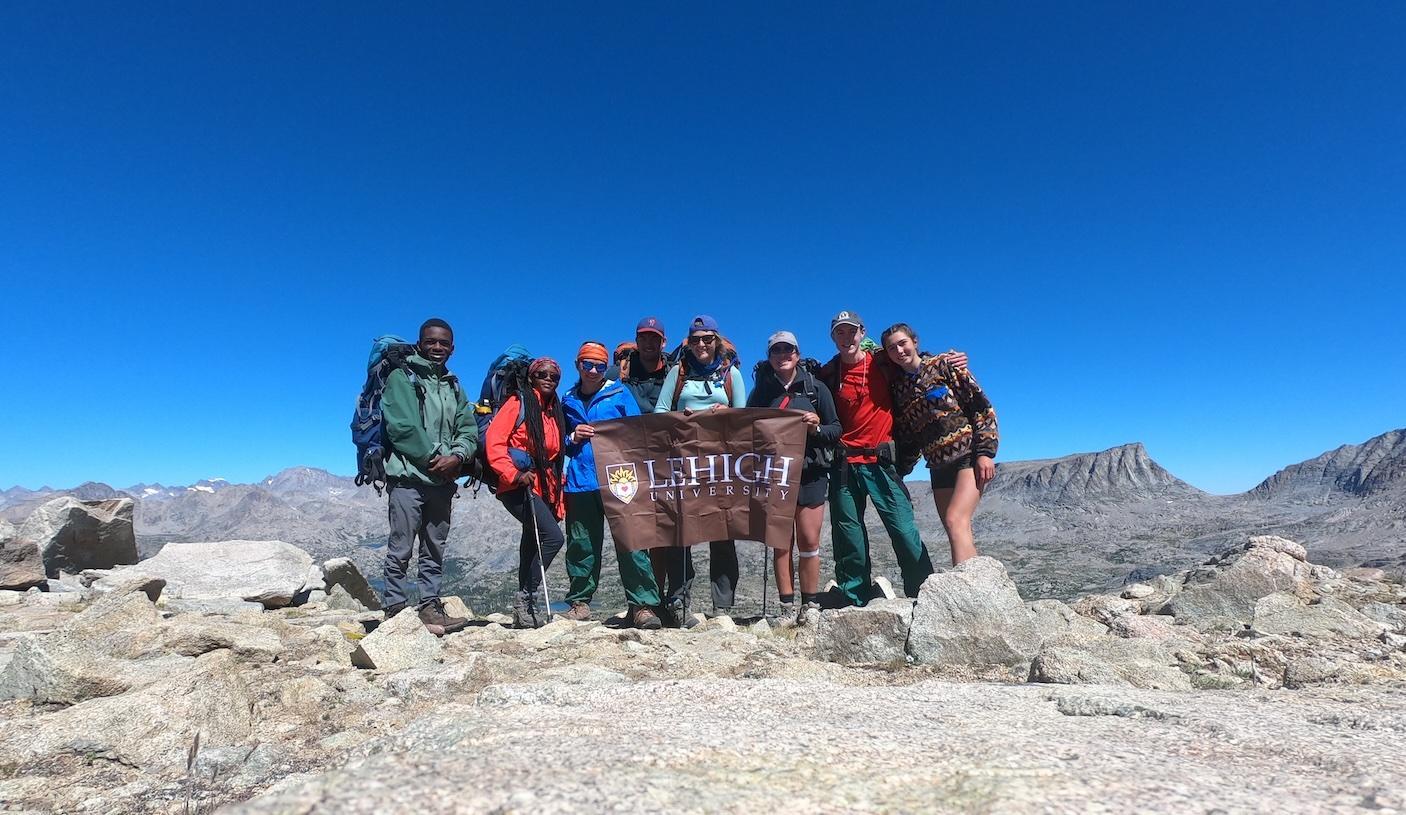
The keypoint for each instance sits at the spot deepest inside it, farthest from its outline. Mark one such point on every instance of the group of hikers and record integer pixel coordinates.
(871, 413)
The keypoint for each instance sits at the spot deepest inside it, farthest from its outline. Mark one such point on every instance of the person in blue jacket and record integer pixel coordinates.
(596, 399)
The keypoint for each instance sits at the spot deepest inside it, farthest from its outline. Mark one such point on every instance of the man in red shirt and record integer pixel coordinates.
(865, 468)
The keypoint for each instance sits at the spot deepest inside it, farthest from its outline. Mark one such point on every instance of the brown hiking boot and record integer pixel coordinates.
(579, 611)
(437, 621)
(643, 617)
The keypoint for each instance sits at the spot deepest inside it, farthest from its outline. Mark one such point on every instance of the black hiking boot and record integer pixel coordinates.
(437, 621)
(525, 611)
(393, 609)
(642, 617)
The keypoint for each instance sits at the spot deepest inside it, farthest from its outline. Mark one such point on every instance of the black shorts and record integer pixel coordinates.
(945, 477)
(815, 489)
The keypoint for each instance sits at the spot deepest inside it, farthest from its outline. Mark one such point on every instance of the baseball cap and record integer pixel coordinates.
(703, 323)
(846, 318)
(780, 337)
(650, 324)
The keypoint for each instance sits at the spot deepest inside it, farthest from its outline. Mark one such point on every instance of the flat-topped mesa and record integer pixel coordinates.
(1117, 474)
(1353, 470)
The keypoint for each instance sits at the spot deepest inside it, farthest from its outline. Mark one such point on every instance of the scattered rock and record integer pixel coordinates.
(1231, 585)
(223, 606)
(1072, 660)
(1151, 628)
(343, 572)
(1137, 591)
(1053, 617)
(456, 607)
(1391, 615)
(340, 599)
(397, 644)
(1282, 613)
(21, 564)
(1105, 608)
(113, 646)
(150, 729)
(1311, 670)
(972, 617)
(875, 634)
(74, 535)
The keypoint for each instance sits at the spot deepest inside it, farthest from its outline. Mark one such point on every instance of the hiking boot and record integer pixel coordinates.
(671, 613)
(785, 612)
(806, 609)
(393, 609)
(437, 621)
(579, 611)
(525, 611)
(642, 617)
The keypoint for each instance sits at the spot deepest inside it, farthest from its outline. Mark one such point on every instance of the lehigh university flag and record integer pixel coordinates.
(673, 480)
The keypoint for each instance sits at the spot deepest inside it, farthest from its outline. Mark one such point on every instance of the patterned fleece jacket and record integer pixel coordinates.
(941, 414)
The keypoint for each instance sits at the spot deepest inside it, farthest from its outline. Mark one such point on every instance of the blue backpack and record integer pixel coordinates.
(388, 352)
(506, 376)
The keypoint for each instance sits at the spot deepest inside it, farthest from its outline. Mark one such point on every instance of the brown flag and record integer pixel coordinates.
(667, 479)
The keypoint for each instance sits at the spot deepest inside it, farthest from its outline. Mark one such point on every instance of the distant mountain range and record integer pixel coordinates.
(1079, 523)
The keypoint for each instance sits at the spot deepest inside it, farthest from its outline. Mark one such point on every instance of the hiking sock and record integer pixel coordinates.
(786, 598)
(810, 597)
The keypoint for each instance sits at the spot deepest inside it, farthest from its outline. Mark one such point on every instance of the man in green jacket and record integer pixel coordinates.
(430, 430)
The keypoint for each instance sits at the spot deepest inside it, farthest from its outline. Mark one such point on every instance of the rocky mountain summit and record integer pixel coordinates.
(250, 675)
(1115, 475)
(1077, 524)
(1374, 467)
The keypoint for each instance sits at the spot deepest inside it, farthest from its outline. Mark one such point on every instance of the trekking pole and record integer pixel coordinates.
(541, 561)
(766, 550)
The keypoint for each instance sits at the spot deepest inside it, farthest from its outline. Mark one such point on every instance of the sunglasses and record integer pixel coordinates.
(782, 349)
(547, 377)
(703, 339)
(587, 365)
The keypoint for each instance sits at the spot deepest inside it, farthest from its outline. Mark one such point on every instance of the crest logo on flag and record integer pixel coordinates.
(624, 481)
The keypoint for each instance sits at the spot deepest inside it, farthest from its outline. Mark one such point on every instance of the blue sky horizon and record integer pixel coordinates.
(1175, 225)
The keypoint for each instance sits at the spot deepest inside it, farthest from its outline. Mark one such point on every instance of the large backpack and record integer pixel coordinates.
(506, 376)
(388, 352)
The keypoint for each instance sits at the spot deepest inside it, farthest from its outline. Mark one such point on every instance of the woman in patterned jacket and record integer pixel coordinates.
(941, 414)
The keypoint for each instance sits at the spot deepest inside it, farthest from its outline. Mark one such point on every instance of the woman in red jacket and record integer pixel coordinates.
(524, 445)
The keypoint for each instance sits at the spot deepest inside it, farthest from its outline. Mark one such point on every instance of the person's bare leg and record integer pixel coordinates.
(785, 580)
(808, 521)
(956, 506)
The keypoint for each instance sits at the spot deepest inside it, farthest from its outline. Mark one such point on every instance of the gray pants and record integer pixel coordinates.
(417, 511)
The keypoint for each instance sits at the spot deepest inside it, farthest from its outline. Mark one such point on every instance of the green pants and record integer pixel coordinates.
(880, 484)
(585, 534)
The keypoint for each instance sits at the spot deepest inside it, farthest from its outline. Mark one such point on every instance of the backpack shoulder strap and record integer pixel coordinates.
(678, 385)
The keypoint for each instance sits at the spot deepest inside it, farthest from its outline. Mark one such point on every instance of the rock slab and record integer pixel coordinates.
(270, 573)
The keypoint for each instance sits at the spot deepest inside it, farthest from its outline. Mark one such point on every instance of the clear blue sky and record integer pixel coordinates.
(1182, 224)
